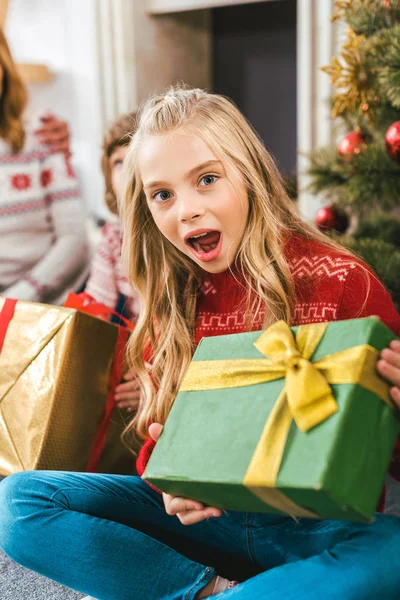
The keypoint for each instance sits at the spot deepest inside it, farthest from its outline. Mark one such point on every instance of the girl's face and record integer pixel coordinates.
(116, 163)
(198, 204)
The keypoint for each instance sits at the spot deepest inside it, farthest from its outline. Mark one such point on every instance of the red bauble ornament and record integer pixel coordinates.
(392, 141)
(330, 218)
(351, 144)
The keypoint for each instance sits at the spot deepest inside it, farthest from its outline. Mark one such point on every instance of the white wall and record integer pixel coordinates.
(63, 35)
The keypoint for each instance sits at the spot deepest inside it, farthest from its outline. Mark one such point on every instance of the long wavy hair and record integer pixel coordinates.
(167, 280)
(13, 99)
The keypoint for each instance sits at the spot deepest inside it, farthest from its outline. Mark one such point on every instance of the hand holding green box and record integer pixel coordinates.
(308, 431)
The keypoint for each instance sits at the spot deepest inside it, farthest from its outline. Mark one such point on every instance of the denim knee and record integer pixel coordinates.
(387, 531)
(21, 498)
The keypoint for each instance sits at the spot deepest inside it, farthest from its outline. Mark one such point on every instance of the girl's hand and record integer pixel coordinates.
(127, 394)
(188, 511)
(389, 367)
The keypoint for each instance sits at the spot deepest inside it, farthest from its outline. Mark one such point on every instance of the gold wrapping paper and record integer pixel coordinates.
(55, 367)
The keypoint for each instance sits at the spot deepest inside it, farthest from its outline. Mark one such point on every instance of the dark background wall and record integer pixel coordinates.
(255, 64)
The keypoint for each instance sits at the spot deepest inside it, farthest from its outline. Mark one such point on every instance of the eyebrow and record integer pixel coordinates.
(189, 174)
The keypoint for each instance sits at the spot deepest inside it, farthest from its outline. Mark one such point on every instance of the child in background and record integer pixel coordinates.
(43, 244)
(108, 282)
(214, 247)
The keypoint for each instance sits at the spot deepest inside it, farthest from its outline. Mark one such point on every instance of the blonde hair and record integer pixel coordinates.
(118, 134)
(167, 279)
(13, 100)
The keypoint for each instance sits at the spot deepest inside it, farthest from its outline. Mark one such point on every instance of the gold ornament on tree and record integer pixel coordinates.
(354, 79)
(341, 7)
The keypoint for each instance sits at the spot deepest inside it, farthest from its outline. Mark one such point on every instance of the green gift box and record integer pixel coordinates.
(290, 420)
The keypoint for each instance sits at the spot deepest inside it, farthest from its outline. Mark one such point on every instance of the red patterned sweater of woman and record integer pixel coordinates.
(329, 286)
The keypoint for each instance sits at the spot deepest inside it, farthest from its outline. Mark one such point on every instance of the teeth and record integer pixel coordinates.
(199, 235)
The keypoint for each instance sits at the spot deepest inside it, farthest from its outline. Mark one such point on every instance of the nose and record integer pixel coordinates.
(191, 208)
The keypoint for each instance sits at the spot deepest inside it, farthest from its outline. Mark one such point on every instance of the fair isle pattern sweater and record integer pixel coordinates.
(43, 246)
(108, 281)
(329, 286)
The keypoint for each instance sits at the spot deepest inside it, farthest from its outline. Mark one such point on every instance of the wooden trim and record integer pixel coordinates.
(34, 73)
(3, 11)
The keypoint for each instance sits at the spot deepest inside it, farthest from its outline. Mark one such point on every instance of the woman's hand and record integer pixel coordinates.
(188, 511)
(55, 134)
(127, 394)
(389, 367)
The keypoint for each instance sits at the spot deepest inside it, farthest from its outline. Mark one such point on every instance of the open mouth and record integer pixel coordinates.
(204, 242)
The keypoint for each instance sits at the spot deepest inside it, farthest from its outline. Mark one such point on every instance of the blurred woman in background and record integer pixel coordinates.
(43, 244)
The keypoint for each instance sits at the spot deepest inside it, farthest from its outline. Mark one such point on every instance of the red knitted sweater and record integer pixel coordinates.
(329, 286)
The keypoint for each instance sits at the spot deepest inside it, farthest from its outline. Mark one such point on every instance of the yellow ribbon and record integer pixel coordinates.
(306, 398)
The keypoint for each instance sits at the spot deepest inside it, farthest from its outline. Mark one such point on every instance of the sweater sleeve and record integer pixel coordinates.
(364, 296)
(102, 282)
(68, 254)
(144, 456)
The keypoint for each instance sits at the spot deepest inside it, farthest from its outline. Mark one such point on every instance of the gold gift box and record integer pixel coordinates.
(55, 371)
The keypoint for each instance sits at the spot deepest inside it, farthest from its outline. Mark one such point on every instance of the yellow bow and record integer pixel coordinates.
(307, 397)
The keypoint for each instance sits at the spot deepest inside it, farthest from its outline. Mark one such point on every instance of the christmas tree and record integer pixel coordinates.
(361, 177)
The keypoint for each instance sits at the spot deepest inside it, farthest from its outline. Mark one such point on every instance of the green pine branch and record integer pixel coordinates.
(384, 56)
(369, 16)
(382, 227)
(367, 182)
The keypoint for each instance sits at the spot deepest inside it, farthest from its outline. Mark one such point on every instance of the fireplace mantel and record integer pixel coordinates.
(171, 6)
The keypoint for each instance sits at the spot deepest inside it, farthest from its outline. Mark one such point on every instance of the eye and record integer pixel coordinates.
(117, 163)
(161, 196)
(208, 180)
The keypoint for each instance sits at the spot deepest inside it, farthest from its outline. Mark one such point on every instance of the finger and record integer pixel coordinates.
(155, 430)
(395, 345)
(181, 505)
(389, 372)
(127, 396)
(51, 126)
(395, 395)
(133, 396)
(130, 399)
(195, 516)
(129, 375)
(125, 402)
(391, 356)
(48, 116)
(131, 386)
(54, 137)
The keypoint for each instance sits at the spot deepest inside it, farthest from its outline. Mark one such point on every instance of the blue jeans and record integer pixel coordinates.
(109, 536)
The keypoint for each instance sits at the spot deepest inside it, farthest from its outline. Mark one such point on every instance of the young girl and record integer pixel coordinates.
(43, 245)
(214, 246)
(107, 282)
